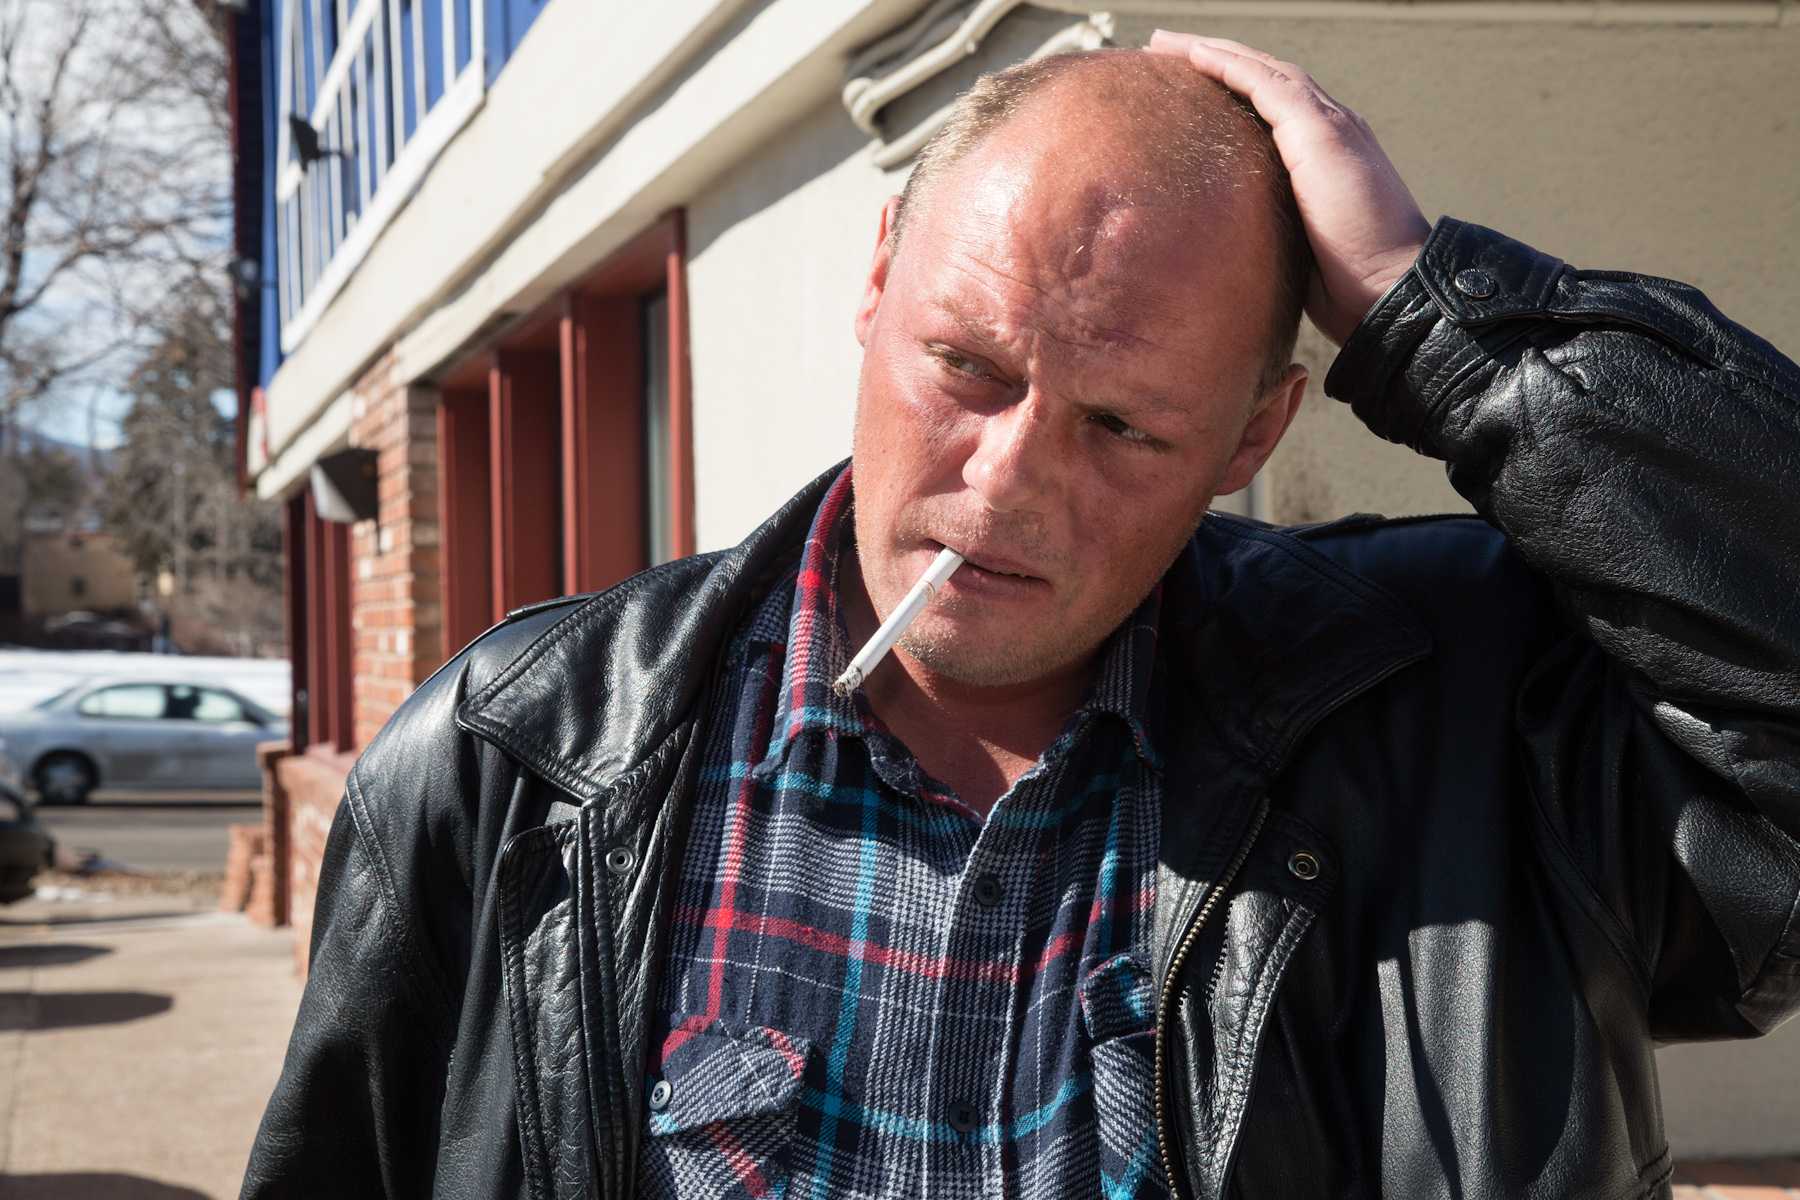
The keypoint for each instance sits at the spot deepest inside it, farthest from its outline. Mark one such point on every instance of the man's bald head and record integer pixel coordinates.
(1153, 128)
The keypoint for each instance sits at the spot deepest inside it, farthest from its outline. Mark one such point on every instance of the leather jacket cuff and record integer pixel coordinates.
(1466, 277)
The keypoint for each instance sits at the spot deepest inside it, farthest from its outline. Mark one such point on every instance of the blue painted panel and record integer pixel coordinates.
(328, 34)
(269, 315)
(507, 23)
(464, 34)
(434, 56)
(519, 16)
(409, 108)
(304, 92)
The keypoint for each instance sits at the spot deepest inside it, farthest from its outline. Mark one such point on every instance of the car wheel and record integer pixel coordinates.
(65, 779)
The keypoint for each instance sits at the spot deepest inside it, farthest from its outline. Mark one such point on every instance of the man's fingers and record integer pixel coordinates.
(1276, 94)
(1290, 70)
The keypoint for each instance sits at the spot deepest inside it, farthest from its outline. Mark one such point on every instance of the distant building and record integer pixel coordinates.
(69, 571)
(581, 276)
(54, 558)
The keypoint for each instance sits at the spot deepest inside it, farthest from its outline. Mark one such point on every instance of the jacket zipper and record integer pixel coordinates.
(1168, 989)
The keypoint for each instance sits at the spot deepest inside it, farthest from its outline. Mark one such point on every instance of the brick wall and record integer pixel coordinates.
(307, 788)
(395, 627)
(396, 613)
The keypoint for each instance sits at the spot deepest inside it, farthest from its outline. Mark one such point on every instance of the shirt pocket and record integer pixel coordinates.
(1117, 1012)
(722, 1110)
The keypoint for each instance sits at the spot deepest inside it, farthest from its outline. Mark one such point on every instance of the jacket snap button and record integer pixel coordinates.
(661, 1094)
(1476, 283)
(1303, 865)
(963, 1116)
(619, 860)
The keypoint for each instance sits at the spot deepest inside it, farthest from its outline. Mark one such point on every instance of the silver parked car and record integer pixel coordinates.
(138, 734)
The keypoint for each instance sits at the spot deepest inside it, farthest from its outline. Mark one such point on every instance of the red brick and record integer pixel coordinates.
(248, 842)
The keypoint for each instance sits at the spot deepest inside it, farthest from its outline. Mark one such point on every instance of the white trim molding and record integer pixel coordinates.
(328, 431)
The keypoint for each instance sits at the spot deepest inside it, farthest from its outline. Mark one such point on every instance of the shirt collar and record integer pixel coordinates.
(818, 651)
(1123, 687)
(818, 645)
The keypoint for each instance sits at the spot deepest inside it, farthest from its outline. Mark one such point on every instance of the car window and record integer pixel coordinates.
(220, 707)
(138, 701)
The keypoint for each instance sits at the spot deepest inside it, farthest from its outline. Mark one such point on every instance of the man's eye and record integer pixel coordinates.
(962, 364)
(1119, 428)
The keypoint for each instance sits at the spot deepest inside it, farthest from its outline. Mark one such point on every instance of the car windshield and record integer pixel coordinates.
(51, 701)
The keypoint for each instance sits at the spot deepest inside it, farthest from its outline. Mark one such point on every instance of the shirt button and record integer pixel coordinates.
(661, 1094)
(963, 1116)
(1476, 283)
(988, 892)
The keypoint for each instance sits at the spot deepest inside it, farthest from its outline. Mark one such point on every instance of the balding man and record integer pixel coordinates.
(1167, 853)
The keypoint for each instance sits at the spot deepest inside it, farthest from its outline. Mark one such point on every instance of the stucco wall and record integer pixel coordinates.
(1668, 149)
(777, 253)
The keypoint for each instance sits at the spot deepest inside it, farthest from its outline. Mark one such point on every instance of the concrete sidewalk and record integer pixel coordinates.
(139, 1039)
(140, 1036)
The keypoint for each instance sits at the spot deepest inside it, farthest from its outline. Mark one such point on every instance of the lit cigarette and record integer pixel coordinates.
(904, 614)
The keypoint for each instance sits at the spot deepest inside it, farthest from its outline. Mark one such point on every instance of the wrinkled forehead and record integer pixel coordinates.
(1089, 240)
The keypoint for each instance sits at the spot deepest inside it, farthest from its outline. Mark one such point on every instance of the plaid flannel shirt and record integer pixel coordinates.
(872, 992)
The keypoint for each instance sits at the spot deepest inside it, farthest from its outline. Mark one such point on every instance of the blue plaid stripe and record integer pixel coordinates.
(969, 1000)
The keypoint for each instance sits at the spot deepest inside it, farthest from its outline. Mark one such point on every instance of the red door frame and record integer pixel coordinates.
(541, 473)
(524, 436)
(464, 508)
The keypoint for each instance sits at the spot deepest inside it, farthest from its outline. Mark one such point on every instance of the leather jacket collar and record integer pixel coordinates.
(1266, 634)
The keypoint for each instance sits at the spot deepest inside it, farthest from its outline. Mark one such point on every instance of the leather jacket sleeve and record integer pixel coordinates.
(1642, 453)
(355, 1111)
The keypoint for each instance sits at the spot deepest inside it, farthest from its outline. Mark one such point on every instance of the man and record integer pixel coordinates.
(1168, 853)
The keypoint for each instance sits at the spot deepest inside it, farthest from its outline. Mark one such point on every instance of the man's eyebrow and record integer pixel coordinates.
(983, 330)
(971, 323)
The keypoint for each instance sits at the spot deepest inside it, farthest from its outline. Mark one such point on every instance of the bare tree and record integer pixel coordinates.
(172, 496)
(114, 178)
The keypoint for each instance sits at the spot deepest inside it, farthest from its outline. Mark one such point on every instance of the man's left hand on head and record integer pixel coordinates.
(1363, 223)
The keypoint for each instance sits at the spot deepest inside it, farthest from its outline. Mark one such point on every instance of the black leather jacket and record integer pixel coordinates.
(1462, 815)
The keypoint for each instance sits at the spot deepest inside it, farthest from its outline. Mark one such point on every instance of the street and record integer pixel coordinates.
(154, 832)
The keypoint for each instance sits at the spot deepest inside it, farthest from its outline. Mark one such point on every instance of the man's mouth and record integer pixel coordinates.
(991, 562)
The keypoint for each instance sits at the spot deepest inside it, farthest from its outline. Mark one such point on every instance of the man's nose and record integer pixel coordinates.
(1011, 465)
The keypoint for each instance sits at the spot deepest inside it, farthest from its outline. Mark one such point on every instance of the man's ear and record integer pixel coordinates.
(878, 271)
(1274, 412)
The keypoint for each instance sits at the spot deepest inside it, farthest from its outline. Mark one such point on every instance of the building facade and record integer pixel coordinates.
(565, 290)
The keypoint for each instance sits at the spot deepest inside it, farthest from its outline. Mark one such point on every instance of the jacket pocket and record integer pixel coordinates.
(1116, 1010)
(722, 1110)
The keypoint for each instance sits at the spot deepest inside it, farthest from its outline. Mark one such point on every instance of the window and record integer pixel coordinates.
(183, 700)
(130, 701)
(205, 704)
(659, 482)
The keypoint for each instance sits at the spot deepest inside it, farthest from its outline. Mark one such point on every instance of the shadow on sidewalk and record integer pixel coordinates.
(35, 1011)
(92, 1185)
(48, 954)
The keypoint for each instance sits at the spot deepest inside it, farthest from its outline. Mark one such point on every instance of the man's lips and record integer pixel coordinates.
(992, 561)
